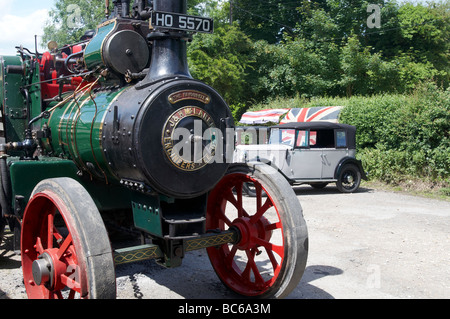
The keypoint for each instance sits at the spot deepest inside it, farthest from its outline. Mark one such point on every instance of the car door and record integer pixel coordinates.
(306, 162)
(333, 153)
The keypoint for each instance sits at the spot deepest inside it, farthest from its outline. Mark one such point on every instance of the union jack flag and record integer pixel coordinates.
(264, 116)
(326, 114)
(288, 138)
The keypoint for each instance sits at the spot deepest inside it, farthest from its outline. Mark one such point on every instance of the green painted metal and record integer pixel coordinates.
(12, 101)
(93, 55)
(76, 132)
(12, 98)
(147, 214)
(34, 90)
(25, 175)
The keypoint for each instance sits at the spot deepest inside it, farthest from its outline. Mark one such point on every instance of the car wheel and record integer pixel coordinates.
(349, 179)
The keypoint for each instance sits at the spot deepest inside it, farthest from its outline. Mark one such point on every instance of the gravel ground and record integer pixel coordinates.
(372, 244)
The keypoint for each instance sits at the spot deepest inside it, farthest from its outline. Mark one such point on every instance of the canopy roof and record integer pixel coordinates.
(313, 114)
(264, 116)
(327, 114)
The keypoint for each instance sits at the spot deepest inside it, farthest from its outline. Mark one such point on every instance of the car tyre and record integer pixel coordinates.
(349, 179)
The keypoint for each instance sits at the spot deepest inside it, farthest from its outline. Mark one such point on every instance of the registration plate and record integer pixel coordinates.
(174, 21)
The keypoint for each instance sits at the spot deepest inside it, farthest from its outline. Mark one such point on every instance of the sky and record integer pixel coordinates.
(21, 20)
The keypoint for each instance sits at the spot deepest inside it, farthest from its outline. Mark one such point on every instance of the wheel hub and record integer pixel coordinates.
(43, 270)
(250, 231)
(350, 179)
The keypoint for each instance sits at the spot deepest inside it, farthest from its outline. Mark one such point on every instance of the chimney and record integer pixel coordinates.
(169, 56)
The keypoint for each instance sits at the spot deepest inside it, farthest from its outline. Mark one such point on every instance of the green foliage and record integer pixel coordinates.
(238, 110)
(294, 67)
(69, 20)
(400, 136)
(278, 53)
(222, 60)
(266, 20)
(334, 53)
(307, 48)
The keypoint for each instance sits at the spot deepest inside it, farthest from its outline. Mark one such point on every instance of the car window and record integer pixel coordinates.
(341, 139)
(288, 137)
(248, 138)
(302, 139)
(285, 136)
(323, 139)
(275, 136)
(251, 136)
(313, 138)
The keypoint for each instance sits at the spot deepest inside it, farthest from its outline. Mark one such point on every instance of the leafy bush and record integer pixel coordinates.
(222, 60)
(400, 136)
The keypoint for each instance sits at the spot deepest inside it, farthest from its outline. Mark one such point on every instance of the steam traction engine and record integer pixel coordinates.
(114, 129)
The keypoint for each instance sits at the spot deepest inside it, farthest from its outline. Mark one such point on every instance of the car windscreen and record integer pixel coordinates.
(283, 136)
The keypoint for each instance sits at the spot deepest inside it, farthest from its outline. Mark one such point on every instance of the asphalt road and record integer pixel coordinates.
(372, 244)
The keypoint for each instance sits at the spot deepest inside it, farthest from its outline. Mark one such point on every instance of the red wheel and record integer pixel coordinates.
(270, 257)
(64, 246)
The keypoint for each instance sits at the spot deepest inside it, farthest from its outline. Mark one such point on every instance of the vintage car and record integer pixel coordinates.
(314, 153)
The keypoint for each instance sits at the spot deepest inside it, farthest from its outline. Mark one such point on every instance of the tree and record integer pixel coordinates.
(266, 20)
(69, 20)
(425, 36)
(222, 60)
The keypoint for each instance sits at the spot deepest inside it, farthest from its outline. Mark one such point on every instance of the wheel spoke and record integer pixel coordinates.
(38, 246)
(279, 250)
(246, 273)
(229, 259)
(258, 189)
(230, 198)
(71, 283)
(261, 211)
(57, 235)
(236, 202)
(273, 226)
(50, 227)
(222, 216)
(251, 265)
(272, 259)
(239, 206)
(72, 294)
(65, 245)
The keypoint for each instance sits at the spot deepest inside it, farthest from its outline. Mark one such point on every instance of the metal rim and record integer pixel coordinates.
(48, 248)
(252, 266)
(349, 179)
(65, 249)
